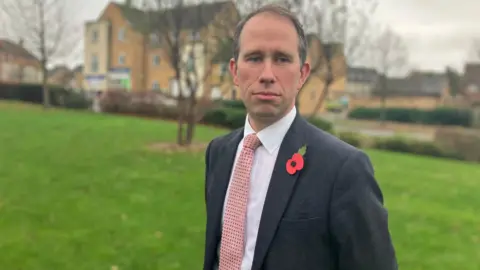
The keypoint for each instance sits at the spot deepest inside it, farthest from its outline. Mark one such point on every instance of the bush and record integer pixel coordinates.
(142, 103)
(438, 116)
(225, 117)
(351, 138)
(33, 93)
(464, 142)
(233, 117)
(321, 124)
(234, 104)
(403, 145)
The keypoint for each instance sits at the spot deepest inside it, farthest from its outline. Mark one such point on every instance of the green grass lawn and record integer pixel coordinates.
(80, 191)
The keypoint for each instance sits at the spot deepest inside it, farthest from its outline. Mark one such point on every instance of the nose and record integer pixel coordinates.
(267, 76)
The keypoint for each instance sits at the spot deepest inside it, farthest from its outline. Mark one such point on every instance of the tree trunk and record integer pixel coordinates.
(181, 119)
(320, 101)
(297, 100)
(383, 106)
(383, 111)
(191, 119)
(46, 91)
(326, 88)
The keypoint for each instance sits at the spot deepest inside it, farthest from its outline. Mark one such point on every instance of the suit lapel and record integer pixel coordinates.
(218, 188)
(279, 191)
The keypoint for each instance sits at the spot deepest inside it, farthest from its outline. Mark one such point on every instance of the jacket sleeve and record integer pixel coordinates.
(207, 165)
(359, 221)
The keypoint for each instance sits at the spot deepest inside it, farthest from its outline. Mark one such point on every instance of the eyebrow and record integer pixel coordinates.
(258, 52)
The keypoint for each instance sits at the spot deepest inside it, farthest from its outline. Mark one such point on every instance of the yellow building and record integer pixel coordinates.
(126, 49)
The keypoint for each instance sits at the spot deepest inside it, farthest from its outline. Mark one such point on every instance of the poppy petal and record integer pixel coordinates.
(290, 168)
(298, 161)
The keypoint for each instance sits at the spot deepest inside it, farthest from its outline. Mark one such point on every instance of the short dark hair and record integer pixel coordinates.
(278, 10)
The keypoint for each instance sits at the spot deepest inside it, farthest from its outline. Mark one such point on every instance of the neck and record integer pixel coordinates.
(259, 124)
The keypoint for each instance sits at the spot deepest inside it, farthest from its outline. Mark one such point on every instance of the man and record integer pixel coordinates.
(264, 209)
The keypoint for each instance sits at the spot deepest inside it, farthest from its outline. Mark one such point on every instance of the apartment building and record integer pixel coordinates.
(123, 52)
(17, 64)
(313, 88)
(65, 77)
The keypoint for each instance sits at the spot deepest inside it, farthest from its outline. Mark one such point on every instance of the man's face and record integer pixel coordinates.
(268, 70)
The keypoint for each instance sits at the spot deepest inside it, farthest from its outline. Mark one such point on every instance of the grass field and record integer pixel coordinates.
(81, 192)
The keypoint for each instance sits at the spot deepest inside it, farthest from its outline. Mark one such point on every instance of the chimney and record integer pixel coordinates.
(128, 3)
(21, 42)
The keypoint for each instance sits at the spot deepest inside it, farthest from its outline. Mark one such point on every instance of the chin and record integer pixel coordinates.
(265, 112)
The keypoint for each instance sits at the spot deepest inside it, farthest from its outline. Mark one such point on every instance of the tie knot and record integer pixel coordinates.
(251, 141)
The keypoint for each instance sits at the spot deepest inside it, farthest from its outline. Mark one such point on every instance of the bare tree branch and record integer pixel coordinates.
(190, 36)
(46, 29)
(340, 29)
(391, 56)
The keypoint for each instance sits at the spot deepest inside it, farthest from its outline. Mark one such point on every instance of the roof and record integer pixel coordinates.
(362, 74)
(192, 16)
(417, 84)
(15, 49)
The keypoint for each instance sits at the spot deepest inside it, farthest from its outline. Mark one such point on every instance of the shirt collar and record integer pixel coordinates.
(272, 136)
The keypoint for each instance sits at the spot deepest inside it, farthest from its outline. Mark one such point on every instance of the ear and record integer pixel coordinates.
(233, 71)
(304, 73)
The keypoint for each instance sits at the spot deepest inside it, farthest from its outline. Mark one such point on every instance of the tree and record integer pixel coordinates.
(187, 34)
(343, 30)
(391, 56)
(46, 28)
(454, 81)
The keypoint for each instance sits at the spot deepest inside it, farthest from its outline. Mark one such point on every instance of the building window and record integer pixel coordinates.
(94, 63)
(156, 60)
(121, 34)
(155, 85)
(174, 87)
(194, 36)
(94, 36)
(121, 59)
(154, 39)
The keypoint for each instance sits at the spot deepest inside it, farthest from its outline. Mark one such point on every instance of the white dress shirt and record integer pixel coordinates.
(263, 164)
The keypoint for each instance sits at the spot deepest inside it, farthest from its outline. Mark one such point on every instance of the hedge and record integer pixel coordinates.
(438, 116)
(459, 140)
(423, 148)
(33, 93)
(232, 115)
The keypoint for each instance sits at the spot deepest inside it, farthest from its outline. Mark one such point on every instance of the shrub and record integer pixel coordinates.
(234, 104)
(403, 145)
(225, 117)
(33, 93)
(351, 138)
(438, 116)
(142, 103)
(321, 124)
(462, 141)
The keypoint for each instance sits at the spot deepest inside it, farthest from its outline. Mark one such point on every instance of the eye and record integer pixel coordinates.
(283, 59)
(254, 59)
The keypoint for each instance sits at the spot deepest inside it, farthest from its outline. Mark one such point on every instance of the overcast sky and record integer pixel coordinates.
(438, 32)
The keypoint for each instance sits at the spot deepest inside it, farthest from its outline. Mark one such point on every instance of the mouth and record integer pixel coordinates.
(266, 95)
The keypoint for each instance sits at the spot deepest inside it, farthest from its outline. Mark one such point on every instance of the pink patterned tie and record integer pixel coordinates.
(232, 243)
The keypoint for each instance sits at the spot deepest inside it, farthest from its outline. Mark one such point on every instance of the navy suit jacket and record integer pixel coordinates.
(328, 216)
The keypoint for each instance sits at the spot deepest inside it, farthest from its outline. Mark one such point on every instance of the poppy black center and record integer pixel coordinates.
(294, 164)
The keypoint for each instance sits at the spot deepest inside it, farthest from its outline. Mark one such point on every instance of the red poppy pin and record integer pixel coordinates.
(296, 163)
